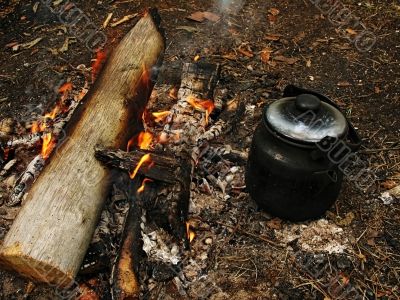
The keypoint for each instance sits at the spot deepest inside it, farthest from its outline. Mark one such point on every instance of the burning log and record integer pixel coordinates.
(165, 168)
(52, 232)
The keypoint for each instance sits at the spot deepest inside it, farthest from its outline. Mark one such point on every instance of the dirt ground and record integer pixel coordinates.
(262, 46)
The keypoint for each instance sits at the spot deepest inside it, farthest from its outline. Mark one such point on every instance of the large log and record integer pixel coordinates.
(52, 232)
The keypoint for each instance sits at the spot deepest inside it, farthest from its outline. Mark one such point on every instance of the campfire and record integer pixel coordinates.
(152, 183)
(127, 178)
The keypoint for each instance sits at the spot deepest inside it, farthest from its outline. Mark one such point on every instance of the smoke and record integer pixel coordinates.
(229, 6)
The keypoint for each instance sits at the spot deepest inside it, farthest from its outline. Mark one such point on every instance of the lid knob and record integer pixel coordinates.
(305, 102)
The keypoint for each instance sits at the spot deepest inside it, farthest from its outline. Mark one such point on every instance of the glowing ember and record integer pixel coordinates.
(141, 189)
(144, 140)
(173, 93)
(97, 64)
(145, 159)
(160, 116)
(190, 233)
(65, 88)
(37, 127)
(196, 58)
(48, 145)
(202, 105)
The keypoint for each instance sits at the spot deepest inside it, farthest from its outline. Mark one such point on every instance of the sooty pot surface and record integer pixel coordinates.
(287, 174)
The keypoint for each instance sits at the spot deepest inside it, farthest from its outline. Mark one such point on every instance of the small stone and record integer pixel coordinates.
(229, 178)
(208, 241)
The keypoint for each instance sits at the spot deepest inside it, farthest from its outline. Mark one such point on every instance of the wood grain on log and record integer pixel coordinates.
(52, 232)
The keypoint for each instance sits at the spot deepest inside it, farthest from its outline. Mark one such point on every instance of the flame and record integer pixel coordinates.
(202, 105)
(48, 145)
(145, 158)
(144, 140)
(196, 58)
(141, 189)
(173, 93)
(160, 116)
(189, 232)
(53, 114)
(98, 63)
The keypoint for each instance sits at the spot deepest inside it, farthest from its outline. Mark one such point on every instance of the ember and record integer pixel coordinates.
(97, 64)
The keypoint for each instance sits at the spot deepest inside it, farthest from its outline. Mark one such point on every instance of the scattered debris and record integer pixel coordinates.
(107, 20)
(123, 20)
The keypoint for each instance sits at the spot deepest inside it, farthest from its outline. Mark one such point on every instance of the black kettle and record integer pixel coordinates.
(294, 165)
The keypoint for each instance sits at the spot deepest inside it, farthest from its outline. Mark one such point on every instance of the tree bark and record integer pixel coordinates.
(52, 232)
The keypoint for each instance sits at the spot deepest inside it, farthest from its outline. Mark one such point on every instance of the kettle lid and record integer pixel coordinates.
(305, 118)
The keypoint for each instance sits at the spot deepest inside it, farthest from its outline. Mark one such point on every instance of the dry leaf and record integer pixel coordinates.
(388, 184)
(265, 55)
(308, 63)
(197, 16)
(230, 56)
(188, 29)
(377, 90)
(343, 83)
(346, 221)
(247, 53)
(275, 223)
(272, 19)
(288, 60)
(274, 11)
(233, 31)
(211, 16)
(272, 37)
(200, 16)
(351, 31)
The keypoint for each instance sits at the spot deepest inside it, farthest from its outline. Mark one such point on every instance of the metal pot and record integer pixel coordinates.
(294, 165)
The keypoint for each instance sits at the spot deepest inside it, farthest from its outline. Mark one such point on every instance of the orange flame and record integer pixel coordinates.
(144, 140)
(173, 93)
(53, 114)
(160, 116)
(141, 189)
(145, 158)
(202, 105)
(48, 145)
(189, 232)
(98, 63)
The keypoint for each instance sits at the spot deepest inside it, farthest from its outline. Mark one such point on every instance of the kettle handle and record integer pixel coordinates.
(352, 135)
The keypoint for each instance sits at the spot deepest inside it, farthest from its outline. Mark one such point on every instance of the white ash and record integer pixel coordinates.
(159, 245)
(317, 236)
(386, 198)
